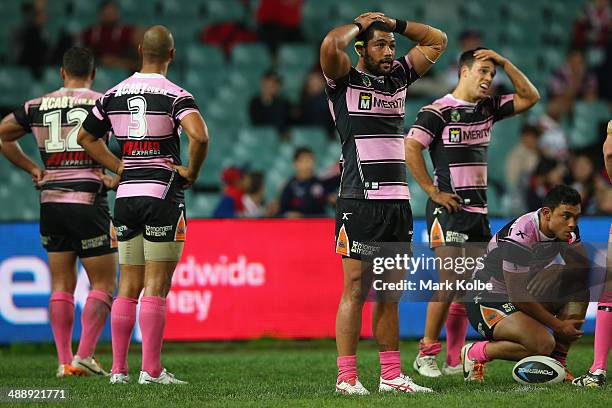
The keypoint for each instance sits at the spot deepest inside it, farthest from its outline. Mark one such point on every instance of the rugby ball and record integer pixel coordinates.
(538, 370)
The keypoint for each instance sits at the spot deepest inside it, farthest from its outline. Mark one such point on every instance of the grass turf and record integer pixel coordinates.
(284, 373)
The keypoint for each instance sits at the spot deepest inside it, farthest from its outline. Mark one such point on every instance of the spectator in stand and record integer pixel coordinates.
(520, 164)
(304, 195)
(583, 178)
(114, 44)
(31, 42)
(253, 198)
(573, 80)
(313, 109)
(231, 203)
(553, 139)
(269, 108)
(279, 21)
(548, 174)
(592, 28)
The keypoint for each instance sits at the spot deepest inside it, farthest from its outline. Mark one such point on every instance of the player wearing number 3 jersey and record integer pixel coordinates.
(147, 113)
(74, 217)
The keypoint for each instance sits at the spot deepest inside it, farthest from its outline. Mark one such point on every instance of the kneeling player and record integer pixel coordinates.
(513, 321)
(596, 377)
(74, 217)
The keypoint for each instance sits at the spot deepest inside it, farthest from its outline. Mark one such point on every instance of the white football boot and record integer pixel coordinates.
(67, 370)
(89, 365)
(451, 370)
(591, 380)
(472, 370)
(119, 378)
(427, 366)
(164, 378)
(352, 386)
(403, 383)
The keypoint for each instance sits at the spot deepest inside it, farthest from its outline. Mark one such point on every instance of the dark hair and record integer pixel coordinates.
(272, 74)
(529, 128)
(467, 58)
(78, 62)
(561, 194)
(105, 3)
(367, 34)
(300, 151)
(545, 166)
(256, 182)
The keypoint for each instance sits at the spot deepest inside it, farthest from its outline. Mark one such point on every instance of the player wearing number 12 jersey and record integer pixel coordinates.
(146, 113)
(74, 217)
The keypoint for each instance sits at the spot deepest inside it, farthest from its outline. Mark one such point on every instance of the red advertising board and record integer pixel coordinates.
(242, 279)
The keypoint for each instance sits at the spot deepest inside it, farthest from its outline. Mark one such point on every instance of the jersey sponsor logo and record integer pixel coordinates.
(63, 102)
(491, 316)
(397, 103)
(454, 135)
(371, 185)
(139, 88)
(141, 148)
(365, 101)
(95, 242)
(69, 159)
(364, 249)
(436, 235)
(181, 229)
(162, 231)
(121, 230)
(342, 242)
(476, 134)
(454, 236)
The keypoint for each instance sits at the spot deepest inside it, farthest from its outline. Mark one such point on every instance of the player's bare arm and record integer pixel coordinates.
(335, 62)
(431, 42)
(416, 165)
(517, 289)
(197, 132)
(526, 93)
(10, 132)
(98, 150)
(607, 150)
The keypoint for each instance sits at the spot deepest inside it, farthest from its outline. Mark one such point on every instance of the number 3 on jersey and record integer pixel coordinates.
(138, 109)
(53, 120)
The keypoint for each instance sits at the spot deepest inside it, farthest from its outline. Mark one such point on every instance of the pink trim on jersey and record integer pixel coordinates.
(505, 99)
(97, 113)
(353, 101)
(71, 197)
(141, 189)
(381, 148)
(72, 175)
(472, 209)
(181, 115)
(393, 192)
(419, 134)
(157, 125)
(469, 176)
(450, 100)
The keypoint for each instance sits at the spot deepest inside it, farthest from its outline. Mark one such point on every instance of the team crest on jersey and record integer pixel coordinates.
(491, 316)
(436, 235)
(366, 80)
(454, 135)
(365, 101)
(181, 229)
(342, 242)
(455, 116)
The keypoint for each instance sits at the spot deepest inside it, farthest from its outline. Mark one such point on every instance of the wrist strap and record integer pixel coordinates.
(400, 26)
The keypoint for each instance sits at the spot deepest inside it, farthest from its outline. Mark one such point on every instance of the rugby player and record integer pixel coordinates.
(457, 131)
(146, 113)
(367, 104)
(515, 315)
(74, 218)
(596, 376)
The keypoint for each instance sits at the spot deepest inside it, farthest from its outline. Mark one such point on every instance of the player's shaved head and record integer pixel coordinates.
(157, 44)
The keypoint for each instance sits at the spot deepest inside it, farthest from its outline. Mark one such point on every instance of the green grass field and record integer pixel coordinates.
(284, 373)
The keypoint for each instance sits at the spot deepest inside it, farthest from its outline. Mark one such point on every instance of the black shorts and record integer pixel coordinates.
(456, 228)
(484, 315)
(156, 219)
(361, 225)
(86, 229)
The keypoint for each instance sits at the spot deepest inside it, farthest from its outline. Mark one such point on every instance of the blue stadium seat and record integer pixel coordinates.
(252, 55)
(297, 54)
(224, 10)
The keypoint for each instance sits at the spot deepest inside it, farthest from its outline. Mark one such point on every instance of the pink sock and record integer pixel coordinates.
(429, 349)
(347, 367)
(123, 319)
(456, 329)
(478, 352)
(61, 314)
(94, 315)
(603, 336)
(390, 364)
(152, 323)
